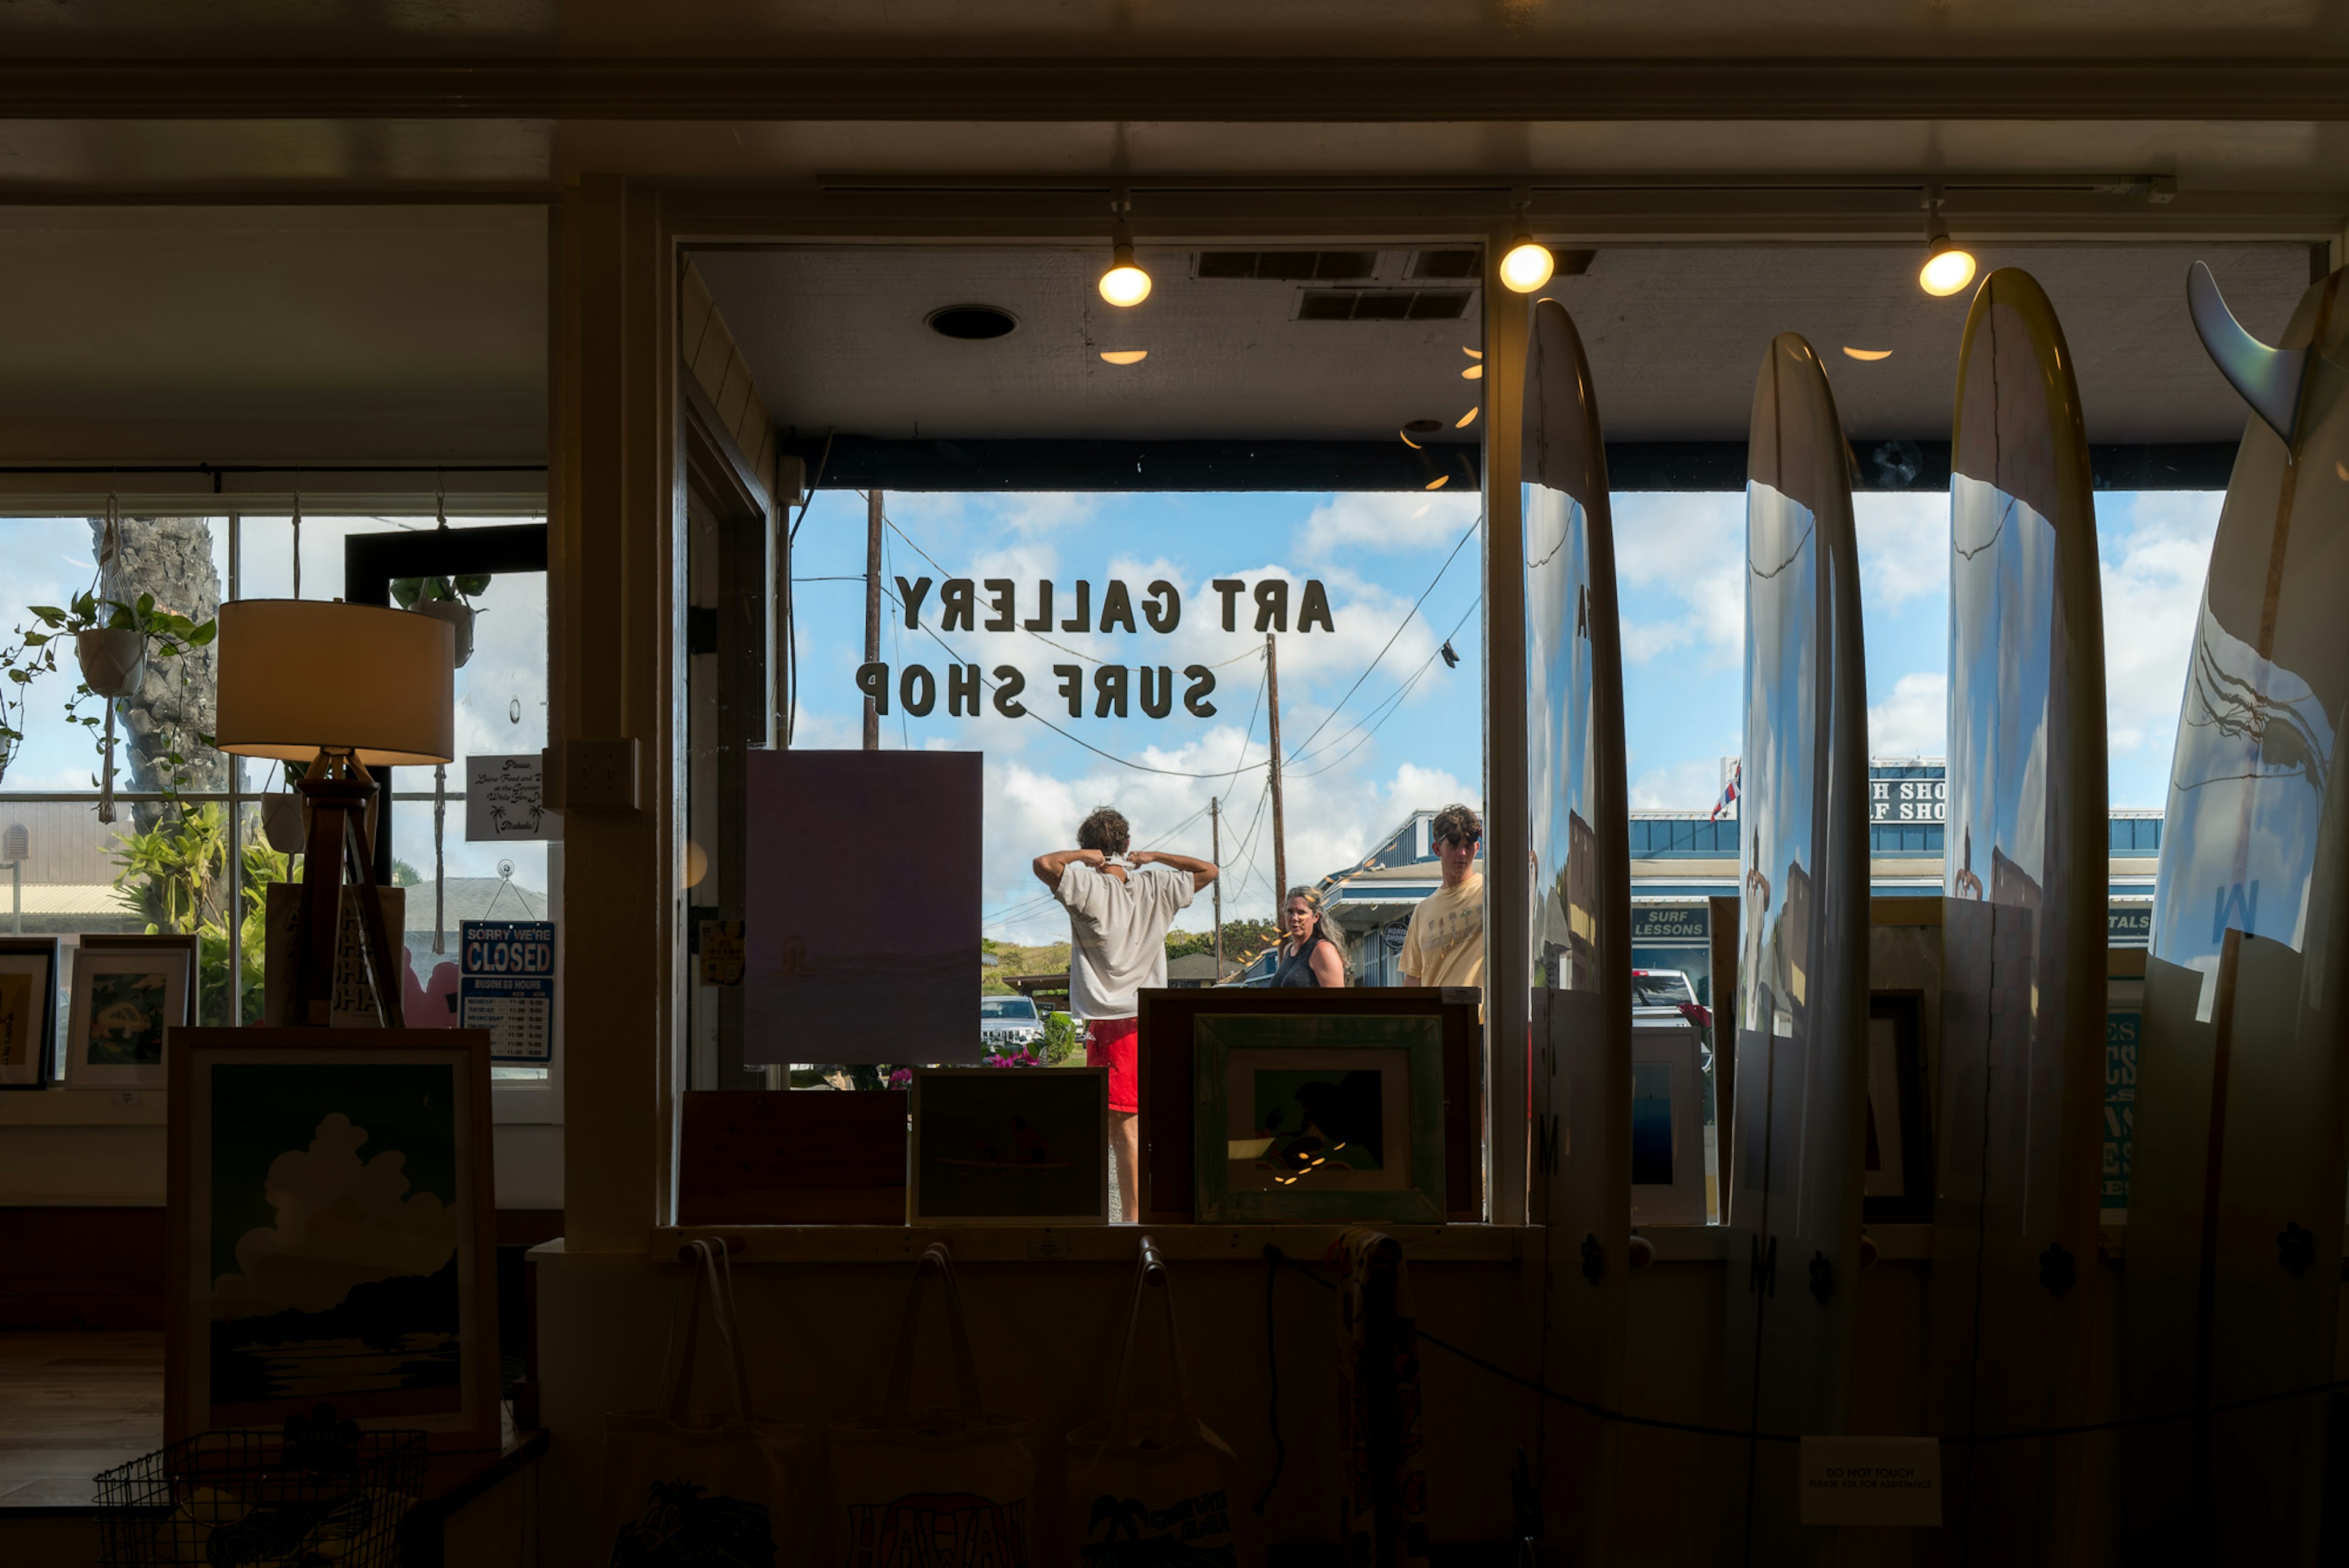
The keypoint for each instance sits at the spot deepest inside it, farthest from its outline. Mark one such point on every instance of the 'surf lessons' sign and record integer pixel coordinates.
(1107, 690)
(1653, 925)
(1915, 794)
(506, 985)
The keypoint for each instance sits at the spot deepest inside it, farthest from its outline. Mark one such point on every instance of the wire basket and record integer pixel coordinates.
(318, 1493)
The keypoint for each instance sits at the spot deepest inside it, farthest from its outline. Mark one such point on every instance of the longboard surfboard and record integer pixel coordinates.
(2231, 1279)
(2019, 1144)
(1802, 975)
(1581, 926)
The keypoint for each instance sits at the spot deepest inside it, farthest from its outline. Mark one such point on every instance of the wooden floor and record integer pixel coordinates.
(72, 1404)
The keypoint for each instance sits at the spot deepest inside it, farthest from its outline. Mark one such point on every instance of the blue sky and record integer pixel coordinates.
(1683, 624)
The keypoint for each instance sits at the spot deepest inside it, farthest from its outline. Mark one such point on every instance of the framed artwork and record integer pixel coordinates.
(1304, 1117)
(1172, 1030)
(333, 1228)
(1010, 1147)
(1667, 1128)
(28, 1010)
(808, 1157)
(123, 999)
(1898, 1175)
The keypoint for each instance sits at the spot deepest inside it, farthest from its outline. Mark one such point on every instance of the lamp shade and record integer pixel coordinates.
(299, 674)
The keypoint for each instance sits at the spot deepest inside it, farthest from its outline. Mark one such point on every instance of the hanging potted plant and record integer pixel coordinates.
(112, 642)
(447, 598)
(19, 662)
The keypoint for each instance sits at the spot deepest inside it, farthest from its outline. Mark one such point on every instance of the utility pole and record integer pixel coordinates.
(1216, 838)
(1279, 837)
(872, 609)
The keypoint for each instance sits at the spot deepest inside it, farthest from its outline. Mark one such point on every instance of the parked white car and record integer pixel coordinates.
(1010, 1021)
(1660, 990)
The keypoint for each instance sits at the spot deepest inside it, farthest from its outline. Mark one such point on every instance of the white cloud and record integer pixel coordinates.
(1687, 550)
(341, 1222)
(1914, 721)
(2154, 567)
(1693, 784)
(1385, 522)
(1904, 547)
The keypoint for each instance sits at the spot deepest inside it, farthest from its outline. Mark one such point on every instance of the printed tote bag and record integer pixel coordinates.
(1154, 1487)
(704, 1486)
(912, 1487)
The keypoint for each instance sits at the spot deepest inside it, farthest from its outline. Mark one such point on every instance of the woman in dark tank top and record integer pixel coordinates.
(1307, 958)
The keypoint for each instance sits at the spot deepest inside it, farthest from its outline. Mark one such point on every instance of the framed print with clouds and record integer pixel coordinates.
(332, 1232)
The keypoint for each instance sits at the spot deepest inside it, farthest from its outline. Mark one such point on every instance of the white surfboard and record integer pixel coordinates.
(1581, 926)
(1802, 977)
(2021, 1092)
(2231, 1282)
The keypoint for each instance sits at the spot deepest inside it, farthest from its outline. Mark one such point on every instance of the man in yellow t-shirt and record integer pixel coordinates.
(1446, 943)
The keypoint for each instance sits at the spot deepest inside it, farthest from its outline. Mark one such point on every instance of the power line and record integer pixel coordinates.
(1392, 704)
(1305, 749)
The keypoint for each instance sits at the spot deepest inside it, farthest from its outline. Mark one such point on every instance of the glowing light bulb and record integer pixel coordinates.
(1465, 420)
(1124, 282)
(1946, 270)
(1473, 373)
(1127, 356)
(1439, 482)
(1870, 354)
(1527, 266)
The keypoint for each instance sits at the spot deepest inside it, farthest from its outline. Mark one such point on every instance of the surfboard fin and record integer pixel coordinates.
(2269, 379)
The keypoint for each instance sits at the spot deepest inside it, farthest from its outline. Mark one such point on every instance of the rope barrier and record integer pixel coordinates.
(1695, 1429)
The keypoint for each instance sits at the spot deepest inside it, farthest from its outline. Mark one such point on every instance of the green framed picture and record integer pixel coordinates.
(1304, 1119)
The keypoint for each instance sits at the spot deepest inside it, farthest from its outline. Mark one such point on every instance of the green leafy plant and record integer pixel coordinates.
(462, 588)
(176, 874)
(168, 635)
(1064, 1037)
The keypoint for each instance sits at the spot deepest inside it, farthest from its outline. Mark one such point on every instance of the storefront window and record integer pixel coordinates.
(192, 838)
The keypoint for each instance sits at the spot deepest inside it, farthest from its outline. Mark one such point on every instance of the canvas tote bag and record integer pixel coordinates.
(1153, 1486)
(934, 1485)
(700, 1487)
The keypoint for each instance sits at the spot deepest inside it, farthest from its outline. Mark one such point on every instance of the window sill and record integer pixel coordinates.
(62, 1107)
(1056, 1244)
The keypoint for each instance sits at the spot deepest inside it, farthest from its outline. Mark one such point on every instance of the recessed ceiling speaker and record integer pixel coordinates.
(972, 323)
(1422, 427)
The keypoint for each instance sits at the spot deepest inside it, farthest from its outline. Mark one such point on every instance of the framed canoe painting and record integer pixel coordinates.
(124, 1001)
(332, 1232)
(1303, 1117)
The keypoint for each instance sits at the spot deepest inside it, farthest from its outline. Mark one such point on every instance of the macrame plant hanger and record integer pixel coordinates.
(109, 551)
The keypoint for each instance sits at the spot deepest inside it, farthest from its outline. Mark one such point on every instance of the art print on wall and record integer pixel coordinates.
(124, 1000)
(28, 1010)
(1319, 1117)
(332, 1233)
(1010, 1147)
(865, 955)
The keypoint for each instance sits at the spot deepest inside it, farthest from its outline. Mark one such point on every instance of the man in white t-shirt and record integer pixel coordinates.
(1119, 904)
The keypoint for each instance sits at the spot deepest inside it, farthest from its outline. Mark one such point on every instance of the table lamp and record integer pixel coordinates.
(340, 687)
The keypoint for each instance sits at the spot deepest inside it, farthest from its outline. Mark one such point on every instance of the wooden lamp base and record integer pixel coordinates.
(339, 790)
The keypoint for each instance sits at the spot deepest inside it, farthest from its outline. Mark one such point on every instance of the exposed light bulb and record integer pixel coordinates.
(1439, 482)
(1124, 282)
(1870, 355)
(1127, 356)
(1473, 373)
(1527, 266)
(1946, 270)
(1465, 420)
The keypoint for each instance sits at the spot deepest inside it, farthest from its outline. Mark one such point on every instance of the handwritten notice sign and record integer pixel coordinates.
(504, 798)
(506, 985)
(1872, 1481)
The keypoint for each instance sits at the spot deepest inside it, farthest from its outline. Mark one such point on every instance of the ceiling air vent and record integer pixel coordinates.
(1466, 262)
(1289, 266)
(1382, 304)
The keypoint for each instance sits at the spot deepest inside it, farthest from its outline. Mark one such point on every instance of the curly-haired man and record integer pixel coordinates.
(1120, 905)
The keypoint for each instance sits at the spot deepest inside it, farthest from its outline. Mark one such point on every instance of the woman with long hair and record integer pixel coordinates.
(1307, 957)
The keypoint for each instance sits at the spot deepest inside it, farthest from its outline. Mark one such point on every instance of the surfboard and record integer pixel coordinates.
(2231, 1279)
(1581, 924)
(2020, 1142)
(1800, 1102)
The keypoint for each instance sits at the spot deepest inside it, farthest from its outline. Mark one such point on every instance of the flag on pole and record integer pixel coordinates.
(1728, 790)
